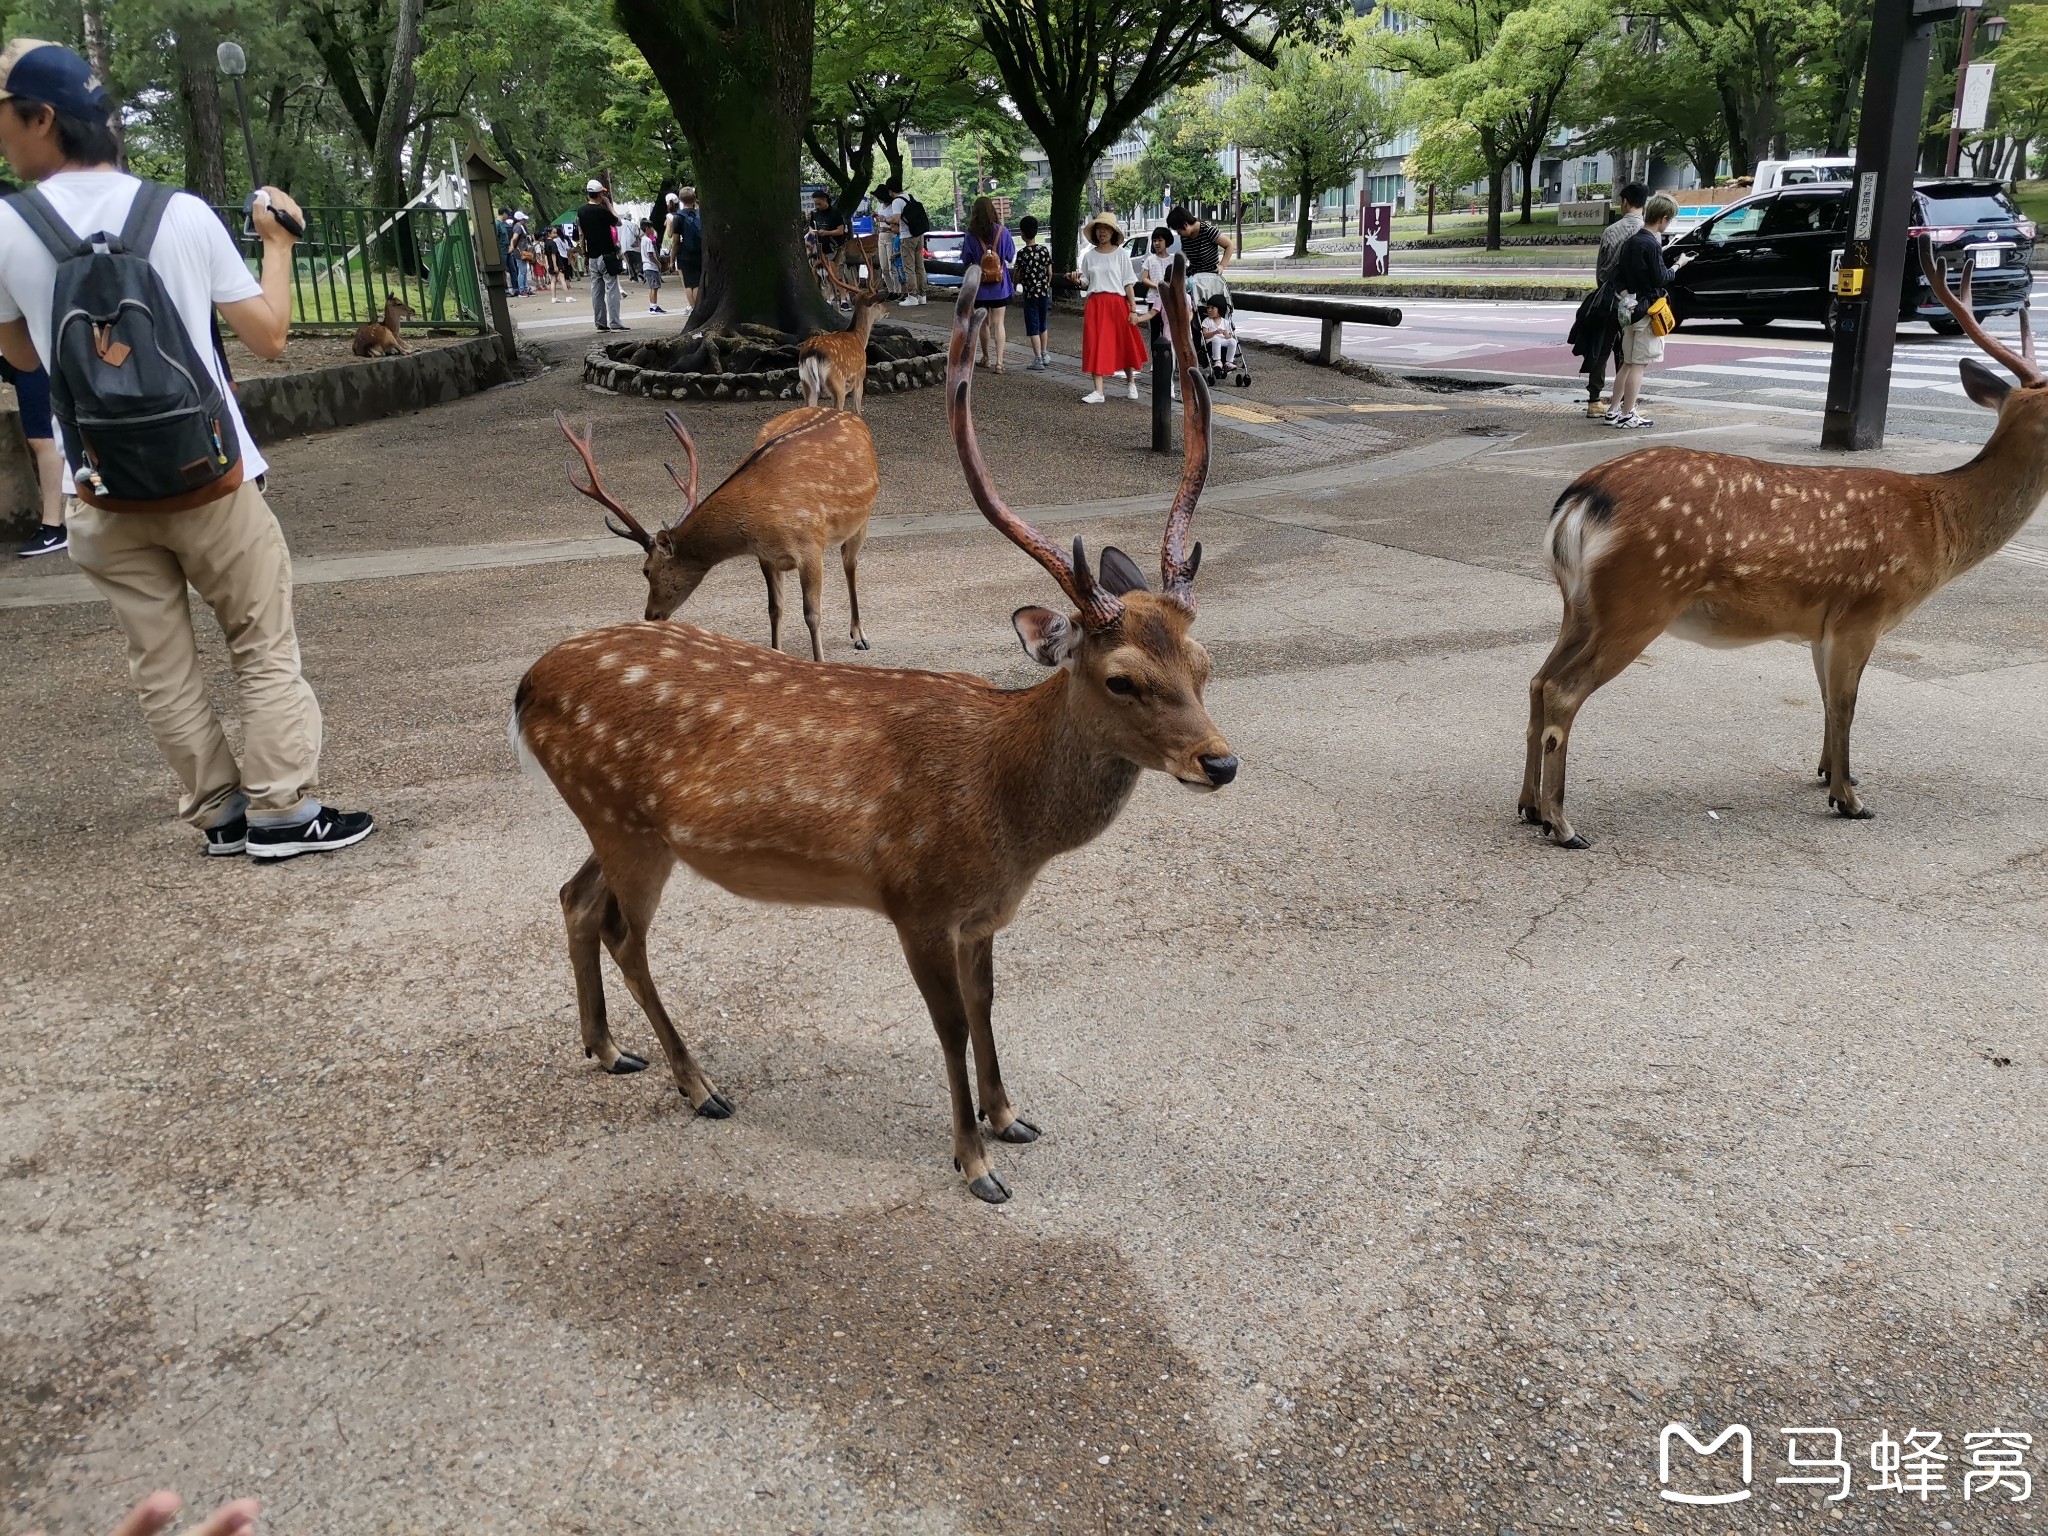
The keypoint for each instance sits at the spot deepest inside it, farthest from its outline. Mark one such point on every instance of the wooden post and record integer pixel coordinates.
(1332, 346)
(483, 176)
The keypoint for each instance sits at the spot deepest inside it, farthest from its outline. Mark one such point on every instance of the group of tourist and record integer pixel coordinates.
(893, 252)
(607, 246)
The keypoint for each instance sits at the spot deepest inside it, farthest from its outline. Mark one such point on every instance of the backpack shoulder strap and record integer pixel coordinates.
(144, 215)
(46, 222)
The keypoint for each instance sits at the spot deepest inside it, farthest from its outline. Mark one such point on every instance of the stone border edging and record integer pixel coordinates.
(1568, 292)
(607, 372)
(320, 399)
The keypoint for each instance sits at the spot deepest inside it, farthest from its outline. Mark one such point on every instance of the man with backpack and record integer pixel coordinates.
(113, 282)
(686, 238)
(916, 224)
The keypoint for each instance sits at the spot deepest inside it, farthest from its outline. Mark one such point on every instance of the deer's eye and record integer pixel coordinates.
(1122, 685)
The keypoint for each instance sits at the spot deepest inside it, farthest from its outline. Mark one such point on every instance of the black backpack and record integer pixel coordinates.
(142, 418)
(915, 220)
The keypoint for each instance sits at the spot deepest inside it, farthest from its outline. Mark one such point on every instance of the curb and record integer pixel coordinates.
(1567, 292)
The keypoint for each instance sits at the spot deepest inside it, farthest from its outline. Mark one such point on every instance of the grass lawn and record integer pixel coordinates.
(2032, 196)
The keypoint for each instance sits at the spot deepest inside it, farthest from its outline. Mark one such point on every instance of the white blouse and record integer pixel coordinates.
(1107, 271)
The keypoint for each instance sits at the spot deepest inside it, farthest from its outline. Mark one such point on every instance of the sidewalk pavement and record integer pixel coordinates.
(1400, 1173)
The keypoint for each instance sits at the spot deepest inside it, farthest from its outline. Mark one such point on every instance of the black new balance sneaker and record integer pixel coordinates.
(227, 839)
(328, 830)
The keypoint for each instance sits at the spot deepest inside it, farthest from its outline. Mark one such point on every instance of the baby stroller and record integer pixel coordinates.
(1225, 355)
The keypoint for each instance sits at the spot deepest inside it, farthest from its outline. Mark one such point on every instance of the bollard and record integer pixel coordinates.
(1162, 388)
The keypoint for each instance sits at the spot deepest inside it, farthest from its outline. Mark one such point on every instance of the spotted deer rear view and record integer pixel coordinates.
(933, 799)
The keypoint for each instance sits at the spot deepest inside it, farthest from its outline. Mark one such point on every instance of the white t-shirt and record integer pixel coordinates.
(1157, 269)
(1107, 271)
(193, 254)
(893, 212)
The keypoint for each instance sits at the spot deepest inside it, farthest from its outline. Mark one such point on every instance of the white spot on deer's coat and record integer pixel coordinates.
(632, 674)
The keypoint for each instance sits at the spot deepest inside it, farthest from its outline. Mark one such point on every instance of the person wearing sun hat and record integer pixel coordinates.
(1110, 342)
(219, 537)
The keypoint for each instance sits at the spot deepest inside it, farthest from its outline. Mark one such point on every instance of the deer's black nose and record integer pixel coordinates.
(1221, 770)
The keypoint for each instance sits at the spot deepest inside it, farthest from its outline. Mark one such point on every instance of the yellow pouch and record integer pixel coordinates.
(1662, 321)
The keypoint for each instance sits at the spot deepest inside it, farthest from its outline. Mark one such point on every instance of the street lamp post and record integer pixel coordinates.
(1994, 28)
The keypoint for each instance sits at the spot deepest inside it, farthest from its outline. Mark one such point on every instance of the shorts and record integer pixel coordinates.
(1639, 344)
(693, 274)
(1038, 315)
(32, 392)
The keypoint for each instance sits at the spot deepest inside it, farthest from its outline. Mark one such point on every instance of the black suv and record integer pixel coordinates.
(1773, 257)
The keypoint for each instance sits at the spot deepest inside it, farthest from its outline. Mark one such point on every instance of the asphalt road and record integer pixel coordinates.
(1782, 371)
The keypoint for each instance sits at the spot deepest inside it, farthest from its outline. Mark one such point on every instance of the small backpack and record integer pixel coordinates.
(915, 220)
(144, 423)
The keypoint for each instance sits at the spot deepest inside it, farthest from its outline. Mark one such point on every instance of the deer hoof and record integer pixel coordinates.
(1576, 840)
(1017, 1132)
(860, 645)
(627, 1062)
(1847, 813)
(1530, 814)
(716, 1107)
(990, 1187)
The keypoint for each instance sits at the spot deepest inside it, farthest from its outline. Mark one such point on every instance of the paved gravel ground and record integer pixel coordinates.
(1400, 1174)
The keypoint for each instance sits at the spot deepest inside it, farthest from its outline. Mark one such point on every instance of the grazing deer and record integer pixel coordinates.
(809, 484)
(931, 798)
(383, 339)
(1731, 551)
(837, 361)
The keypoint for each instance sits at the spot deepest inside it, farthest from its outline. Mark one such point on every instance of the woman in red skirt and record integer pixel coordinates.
(1110, 342)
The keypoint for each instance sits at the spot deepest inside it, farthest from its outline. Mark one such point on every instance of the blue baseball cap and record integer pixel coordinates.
(50, 73)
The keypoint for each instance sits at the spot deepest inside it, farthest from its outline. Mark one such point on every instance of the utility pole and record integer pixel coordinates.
(1873, 270)
(1972, 9)
(1238, 198)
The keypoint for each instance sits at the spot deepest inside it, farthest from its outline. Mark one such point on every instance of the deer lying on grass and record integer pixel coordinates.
(837, 361)
(809, 484)
(931, 798)
(382, 338)
(1730, 551)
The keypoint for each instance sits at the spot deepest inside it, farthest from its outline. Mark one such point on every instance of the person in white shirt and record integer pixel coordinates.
(1110, 343)
(225, 543)
(1219, 334)
(889, 205)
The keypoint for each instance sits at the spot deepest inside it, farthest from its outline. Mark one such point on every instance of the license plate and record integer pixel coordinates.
(1987, 256)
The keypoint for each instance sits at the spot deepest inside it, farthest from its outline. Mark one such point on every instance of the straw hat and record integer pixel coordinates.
(1088, 229)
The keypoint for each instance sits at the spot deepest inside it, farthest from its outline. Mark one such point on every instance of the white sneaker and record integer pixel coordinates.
(1093, 397)
(1133, 390)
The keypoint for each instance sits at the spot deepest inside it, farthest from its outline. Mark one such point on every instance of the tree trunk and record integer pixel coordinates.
(744, 117)
(199, 96)
(1302, 216)
(1069, 167)
(99, 51)
(892, 152)
(1528, 190)
(394, 113)
(1496, 176)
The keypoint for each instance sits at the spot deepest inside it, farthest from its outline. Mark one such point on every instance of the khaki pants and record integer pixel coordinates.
(913, 265)
(885, 262)
(233, 553)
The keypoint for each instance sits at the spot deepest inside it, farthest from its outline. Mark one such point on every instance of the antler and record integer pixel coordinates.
(1178, 563)
(675, 425)
(596, 491)
(2022, 368)
(1099, 609)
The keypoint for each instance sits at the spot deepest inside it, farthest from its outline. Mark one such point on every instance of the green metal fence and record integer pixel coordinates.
(351, 258)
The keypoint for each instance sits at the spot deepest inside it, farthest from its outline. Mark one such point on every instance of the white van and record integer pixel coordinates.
(1773, 174)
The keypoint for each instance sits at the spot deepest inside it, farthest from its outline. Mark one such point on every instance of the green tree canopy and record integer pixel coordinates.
(1310, 120)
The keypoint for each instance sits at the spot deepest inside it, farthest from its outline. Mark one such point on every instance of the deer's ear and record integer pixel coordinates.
(1982, 385)
(1048, 637)
(1119, 572)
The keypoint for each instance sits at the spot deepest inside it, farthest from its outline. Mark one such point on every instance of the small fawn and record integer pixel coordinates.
(809, 484)
(1732, 551)
(382, 339)
(931, 798)
(837, 361)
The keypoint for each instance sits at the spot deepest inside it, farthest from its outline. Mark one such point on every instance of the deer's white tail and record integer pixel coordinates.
(521, 752)
(1579, 532)
(811, 371)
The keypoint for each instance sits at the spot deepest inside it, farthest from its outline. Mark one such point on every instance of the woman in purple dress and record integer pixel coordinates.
(990, 246)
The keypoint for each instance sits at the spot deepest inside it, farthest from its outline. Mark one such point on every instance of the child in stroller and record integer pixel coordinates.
(1219, 335)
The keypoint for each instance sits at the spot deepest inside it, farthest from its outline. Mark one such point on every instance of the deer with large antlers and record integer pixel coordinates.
(1731, 551)
(932, 798)
(809, 484)
(836, 362)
